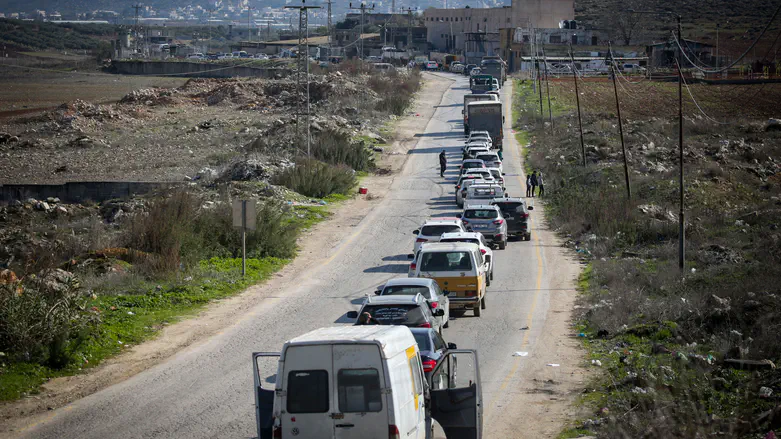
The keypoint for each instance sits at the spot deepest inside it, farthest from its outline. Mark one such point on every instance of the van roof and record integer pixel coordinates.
(392, 339)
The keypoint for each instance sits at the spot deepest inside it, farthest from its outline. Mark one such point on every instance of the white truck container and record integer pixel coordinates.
(357, 382)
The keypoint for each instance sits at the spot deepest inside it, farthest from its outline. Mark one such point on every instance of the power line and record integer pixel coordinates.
(762, 34)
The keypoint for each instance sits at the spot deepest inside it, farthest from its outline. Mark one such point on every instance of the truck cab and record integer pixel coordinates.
(357, 382)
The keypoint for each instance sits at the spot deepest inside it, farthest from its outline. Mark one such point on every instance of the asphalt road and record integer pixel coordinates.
(206, 391)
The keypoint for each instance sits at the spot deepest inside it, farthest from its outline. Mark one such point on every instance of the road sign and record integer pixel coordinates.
(244, 217)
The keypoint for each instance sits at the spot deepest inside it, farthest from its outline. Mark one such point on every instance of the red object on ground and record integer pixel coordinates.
(363, 190)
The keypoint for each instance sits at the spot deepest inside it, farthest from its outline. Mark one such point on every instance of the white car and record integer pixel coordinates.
(478, 135)
(461, 193)
(475, 71)
(497, 174)
(482, 194)
(457, 68)
(196, 56)
(473, 151)
(480, 173)
(491, 159)
(474, 238)
(471, 164)
(433, 229)
(432, 65)
(428, 288)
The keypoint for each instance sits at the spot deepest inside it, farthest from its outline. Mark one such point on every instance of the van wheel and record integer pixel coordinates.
(477, 309)
(482, 303)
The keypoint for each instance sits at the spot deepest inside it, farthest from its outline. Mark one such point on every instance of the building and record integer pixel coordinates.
(664, 54)
(449, 29)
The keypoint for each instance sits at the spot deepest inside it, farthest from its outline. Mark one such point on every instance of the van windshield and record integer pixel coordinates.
(406, 290)
(446, 261)
(481, 214)
(439, 230)
(409, 315)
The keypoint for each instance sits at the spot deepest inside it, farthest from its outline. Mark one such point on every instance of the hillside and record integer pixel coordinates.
(23, 35)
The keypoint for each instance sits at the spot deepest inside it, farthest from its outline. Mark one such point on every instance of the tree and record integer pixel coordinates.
(621, 24)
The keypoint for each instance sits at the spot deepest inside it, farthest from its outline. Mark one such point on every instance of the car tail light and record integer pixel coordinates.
(499, 236)
(421, 240)
(482, 250)
(424, 325)
(393, 432)
(429, 365)
(471, 293)
(524, 215)
(499, 222)
(413, 266)
(434, 305)
(458, 187)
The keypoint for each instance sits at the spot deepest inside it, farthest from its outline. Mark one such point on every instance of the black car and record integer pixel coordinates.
(432, 347)
(516, 213)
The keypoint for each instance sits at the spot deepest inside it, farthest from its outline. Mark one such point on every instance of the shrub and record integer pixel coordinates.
(314, 178)
(337, 148)
(42, 321)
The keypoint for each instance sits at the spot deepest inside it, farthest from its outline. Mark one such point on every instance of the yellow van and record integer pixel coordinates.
(459, 269)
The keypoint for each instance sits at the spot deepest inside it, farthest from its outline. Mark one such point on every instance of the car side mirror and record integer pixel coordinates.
(458, 215)
(504, 173)
(410, 256)
(439, 312)
(377, 292)
(416, 232)
(352, 314)
(530, 207)
(452, 346)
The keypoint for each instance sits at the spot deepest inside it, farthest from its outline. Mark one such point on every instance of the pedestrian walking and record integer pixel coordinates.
(528, 185)
(442, 163)
(534, 182)
(539, 183)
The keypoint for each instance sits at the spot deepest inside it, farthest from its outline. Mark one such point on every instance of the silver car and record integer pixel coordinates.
(428, 288)
(488, 220)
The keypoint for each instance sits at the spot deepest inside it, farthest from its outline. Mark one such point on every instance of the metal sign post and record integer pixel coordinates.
(244, 217)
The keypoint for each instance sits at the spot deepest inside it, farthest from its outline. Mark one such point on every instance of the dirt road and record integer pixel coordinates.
(205, 390)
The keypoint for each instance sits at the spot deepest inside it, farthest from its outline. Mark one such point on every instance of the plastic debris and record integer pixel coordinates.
(596, 363)
(553, 365)
(520, 354)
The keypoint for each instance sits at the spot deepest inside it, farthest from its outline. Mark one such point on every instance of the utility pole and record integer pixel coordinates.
(249, 17)
(363, 9)
(681, 218)
(620, 122)
(209, 44)
(539, 76)
(330, 30)
(577, 99)
(136, 7)
(547, 87)
(409, 27)
(303, 69)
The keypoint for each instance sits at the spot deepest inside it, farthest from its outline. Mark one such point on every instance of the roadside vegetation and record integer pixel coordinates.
(680, 354)
(83, 282)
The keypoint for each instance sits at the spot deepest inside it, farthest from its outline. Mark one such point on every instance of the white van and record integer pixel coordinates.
(357, 382)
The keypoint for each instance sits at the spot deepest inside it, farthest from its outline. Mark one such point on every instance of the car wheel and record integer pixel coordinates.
(482, 303)
(477, 310)
(502, 245)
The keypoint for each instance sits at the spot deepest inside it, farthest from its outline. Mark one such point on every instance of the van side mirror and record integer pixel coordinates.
(352, 314)
(452, 346)
(439, 312)
(530, 207)
(416, 232)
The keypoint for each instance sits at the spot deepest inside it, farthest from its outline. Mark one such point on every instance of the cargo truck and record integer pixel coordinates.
(487, 116)
(495, 69)
(468, 99)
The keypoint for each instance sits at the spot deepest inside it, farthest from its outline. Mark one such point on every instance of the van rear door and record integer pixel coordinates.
(264, 395)
(456, 395)
(308, 403)
(361, 401)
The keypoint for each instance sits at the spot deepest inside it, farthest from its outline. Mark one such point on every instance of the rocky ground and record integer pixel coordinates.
(170, 134)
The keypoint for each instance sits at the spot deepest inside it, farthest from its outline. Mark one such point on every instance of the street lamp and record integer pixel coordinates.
(681, 218)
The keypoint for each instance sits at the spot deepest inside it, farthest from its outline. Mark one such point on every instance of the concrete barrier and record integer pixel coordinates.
(186, 69)
(81, 191)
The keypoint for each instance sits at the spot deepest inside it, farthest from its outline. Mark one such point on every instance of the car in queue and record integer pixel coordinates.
(487, 220)
(461, 193)
(498, 175)
(433, 349)
(406, 286)
(516, 213)
(473, 151)
(491, 159)
(482, 193)
(458, 268)
(412, 311)
(471, 164)
(433, 228)
(474, 238)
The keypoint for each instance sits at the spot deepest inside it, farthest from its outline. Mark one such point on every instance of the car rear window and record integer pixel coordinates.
(446, 261)
(406, 290)
(410, 315)
(509, 207)
(481, 214)
(359, 390)
(423, 340)
(307, 391)
(483, 193)
(474, 165)
(438, 230)
(488, 157)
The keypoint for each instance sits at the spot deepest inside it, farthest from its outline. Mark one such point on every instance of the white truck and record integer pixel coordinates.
(487, 116)
(358, 382)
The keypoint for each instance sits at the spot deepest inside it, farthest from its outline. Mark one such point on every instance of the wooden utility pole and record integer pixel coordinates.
(577, 99)
(620, 122)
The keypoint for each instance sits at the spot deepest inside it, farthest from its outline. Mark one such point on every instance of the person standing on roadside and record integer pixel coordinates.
(528, 185)
(539, 183)
(534, 182)
(442, 163)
